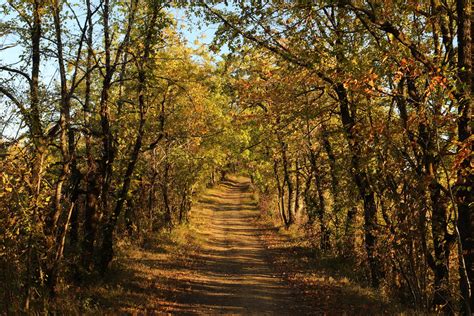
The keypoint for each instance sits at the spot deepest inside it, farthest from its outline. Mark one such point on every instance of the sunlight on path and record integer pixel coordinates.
(219, 268)
(232, 275)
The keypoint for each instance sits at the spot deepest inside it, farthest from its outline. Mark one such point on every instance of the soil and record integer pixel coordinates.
(233, 275)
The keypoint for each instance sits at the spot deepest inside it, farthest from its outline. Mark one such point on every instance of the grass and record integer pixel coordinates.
(140, 280)
(331, 284)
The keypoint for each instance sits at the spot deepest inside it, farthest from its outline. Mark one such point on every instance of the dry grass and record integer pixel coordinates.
(142, 280)
(331, 285)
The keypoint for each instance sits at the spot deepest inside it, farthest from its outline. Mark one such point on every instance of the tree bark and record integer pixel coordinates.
(281, 193)
(465, 176)
(324, 231)
(297, 188)
(39, 140)
(108, 150)
(107, 242)
(333, 173)
(92, 186)
(289, 184)
(167, 216)
(361, 180)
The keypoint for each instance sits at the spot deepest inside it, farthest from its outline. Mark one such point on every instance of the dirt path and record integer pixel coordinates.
(219, 265)
(232, 275)
(216, 266)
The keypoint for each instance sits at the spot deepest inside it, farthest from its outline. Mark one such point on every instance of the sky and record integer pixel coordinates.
(194, 30)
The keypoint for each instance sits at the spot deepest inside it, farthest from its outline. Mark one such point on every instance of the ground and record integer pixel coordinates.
(226, 262)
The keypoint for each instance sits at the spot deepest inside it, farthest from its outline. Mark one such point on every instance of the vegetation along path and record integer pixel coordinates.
(222, 268)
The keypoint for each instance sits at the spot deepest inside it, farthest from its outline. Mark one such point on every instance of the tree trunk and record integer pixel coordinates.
(361, 180)
(308, 199)
(151, 199)
(324, 231)
(316, 172)
(64, 120)
(107, 242)
(441, 247)
(334, 178)
(465, 176)
(297, 188)
(129, 216)
(167, 216)
(439, 204)
(92, 186)
(289, 184)
(39, 141)
(54, 237)
(281, 193)
(108, 150)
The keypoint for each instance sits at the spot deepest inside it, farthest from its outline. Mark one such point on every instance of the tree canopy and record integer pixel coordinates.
(352, 118)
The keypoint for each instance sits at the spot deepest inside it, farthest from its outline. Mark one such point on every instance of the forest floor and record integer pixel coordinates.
(227, 261)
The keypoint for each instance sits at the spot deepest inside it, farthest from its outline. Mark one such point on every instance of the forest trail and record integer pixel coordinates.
(222, 267)
(232, 275)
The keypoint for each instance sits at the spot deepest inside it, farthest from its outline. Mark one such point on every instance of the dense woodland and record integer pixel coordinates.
(351, 117)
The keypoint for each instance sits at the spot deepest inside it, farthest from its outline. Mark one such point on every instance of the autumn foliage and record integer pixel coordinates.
(352, 119)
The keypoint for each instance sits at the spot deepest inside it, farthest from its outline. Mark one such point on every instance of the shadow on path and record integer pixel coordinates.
(233, 276)
(228, 274)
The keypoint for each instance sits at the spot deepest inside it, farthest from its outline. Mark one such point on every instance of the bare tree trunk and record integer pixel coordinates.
(360, 177)
(64, 121)
(297, 188)
(108, 150)
(429, 163)
(34, 116)
(64, 118)
(151, 199)
(333, 173)
(167, 216)
(323, 229)
(310, 204)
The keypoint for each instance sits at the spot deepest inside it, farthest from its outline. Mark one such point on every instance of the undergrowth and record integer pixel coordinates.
(326, 279)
